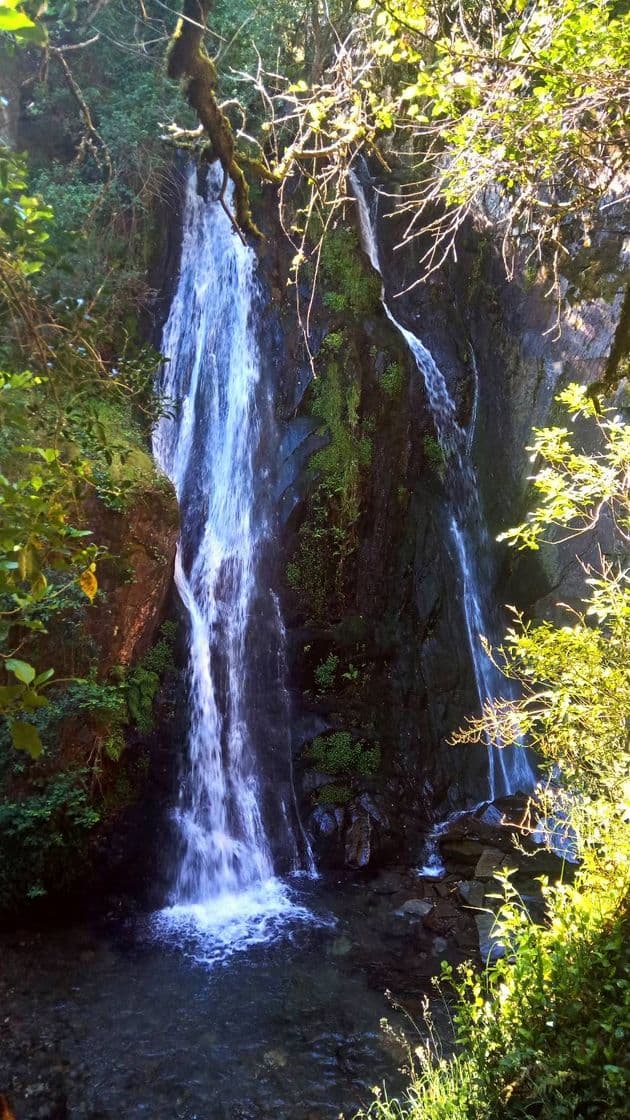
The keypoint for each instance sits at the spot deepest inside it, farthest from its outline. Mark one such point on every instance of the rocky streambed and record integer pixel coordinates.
(105, 1019)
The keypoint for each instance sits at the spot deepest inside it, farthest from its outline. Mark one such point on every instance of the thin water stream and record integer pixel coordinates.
(509, 769)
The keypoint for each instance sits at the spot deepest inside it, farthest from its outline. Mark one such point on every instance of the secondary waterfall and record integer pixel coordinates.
(509, 770)
(209, 445)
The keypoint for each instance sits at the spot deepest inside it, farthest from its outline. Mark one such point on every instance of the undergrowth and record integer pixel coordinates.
(543, 1032)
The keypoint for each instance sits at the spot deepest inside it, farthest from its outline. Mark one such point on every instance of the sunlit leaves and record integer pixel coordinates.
(516, 110)
(24, 218)
(22, 698)
(88, 582)
(15, 22)
(574, 676)
(573, 487)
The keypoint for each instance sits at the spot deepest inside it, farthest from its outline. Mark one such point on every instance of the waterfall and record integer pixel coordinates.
(509, 770)
(211, 444)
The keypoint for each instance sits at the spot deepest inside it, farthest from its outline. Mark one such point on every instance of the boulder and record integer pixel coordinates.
(416, 908)
(471, 892)
(443, 917)
(358, 848)
(490, 947)
(323, 822)
(460, 851)
(490, 861)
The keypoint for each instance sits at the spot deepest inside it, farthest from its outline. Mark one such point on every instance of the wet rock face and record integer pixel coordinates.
(353, 836)
(404, 678)
(142, 542)
(401, 622)
(390, 622)
(477, 851)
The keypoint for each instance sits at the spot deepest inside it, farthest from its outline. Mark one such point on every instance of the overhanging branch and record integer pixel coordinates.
(188, 61)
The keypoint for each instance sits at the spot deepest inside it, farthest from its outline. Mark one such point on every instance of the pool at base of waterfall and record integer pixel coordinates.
(232, 922)
(123, 1020)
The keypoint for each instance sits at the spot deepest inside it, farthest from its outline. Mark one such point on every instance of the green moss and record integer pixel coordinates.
(333, 795)
(114, 441)
(335, 301)
(318, 571)
(393, 379)
(341, 753)
(326, 672)
(313, 573)
(334, 341)
(336, 403)
(435, 455)
(349, 286)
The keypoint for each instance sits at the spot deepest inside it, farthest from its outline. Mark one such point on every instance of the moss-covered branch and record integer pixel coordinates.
(188, 61)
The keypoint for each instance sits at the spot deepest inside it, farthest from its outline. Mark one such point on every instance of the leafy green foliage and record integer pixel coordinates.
(141, 688)
(326, 673)
(543, 1033)
(45, 831)
(103, 185)
(348, 286)
(573, 487)
(76, 405)
(340, 753)
(70, 430)
(393, 380)
(24, 218)
(44, 837)
(544, 1030)
(18, 26)
(37, 487)
(527, 98)
(511, 111)
(333, 795)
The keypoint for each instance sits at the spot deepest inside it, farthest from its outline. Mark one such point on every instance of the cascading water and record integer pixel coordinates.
(509, 770)
(208, 446)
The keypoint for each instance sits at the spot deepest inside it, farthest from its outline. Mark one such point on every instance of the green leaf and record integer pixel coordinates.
(41, 678)
(20, 669)
(9, 693)
(32, 700)
(10, 20)
(26, 738)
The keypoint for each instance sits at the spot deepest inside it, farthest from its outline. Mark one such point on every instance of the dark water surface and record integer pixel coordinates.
(108, 1022)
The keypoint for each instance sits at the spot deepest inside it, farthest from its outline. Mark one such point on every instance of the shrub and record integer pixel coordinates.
(341, 753)
(392, 379)
(349, 285)
(333, 795)
(44, 837)
(543, 1032)
(326, 673)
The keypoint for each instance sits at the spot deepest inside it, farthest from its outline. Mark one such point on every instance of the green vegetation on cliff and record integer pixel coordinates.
(328, 536)
(543, 1032)
(509, 113)
(76, 476)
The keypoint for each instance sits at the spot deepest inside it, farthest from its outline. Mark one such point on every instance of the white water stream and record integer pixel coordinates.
(225, 885)
(509, 770)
